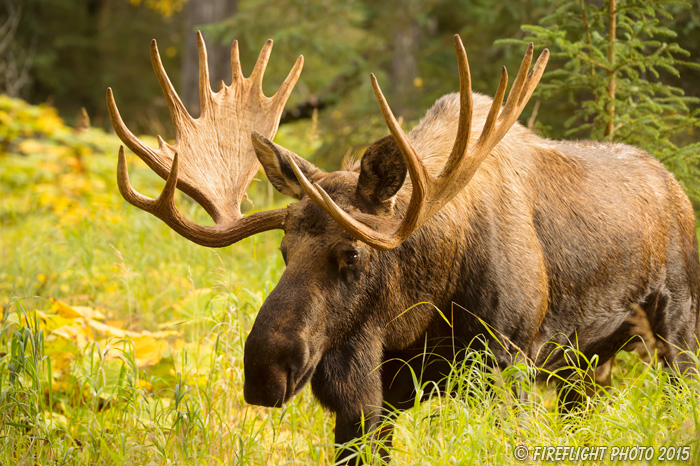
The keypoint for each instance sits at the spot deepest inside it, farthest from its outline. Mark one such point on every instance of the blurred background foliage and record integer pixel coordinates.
(67, 52)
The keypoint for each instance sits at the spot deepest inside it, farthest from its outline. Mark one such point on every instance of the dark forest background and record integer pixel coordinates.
(67, 52)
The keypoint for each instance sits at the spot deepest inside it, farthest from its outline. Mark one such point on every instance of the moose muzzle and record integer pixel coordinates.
(276, 367)
(281, 352)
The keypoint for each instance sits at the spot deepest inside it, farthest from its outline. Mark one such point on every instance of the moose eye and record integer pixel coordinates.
(351, 257)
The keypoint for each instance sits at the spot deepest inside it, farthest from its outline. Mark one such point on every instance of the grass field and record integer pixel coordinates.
(122, 343)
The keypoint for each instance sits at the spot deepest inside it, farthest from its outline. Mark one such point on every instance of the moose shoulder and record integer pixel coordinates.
(547, 243)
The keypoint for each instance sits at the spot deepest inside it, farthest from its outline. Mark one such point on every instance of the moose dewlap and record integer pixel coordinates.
(546, 243)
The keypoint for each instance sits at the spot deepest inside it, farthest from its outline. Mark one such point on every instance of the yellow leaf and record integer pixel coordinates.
(160, 333)
(50, 322)
(89, 312)
(111, 331)
(149, 350)
(64, 310)
(76, 334)
(74, 312)
(148, 386)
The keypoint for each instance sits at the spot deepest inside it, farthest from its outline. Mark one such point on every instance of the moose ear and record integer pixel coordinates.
(382, 171)
(275, 162)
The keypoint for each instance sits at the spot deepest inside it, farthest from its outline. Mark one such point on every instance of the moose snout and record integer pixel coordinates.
(276, 367)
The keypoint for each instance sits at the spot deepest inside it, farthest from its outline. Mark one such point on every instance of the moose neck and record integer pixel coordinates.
(456, 245)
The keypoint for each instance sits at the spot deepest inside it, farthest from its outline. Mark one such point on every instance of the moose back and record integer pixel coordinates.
(547, 243)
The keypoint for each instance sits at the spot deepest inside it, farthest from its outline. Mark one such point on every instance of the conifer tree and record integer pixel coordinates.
(613, 62)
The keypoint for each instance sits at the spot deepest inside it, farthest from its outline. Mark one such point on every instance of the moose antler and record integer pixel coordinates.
(431, 193)
(213, 159)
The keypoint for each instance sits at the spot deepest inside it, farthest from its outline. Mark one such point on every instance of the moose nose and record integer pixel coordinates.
(273, 366)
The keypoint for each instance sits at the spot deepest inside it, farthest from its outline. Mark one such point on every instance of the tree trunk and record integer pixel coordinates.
(201, 13)
(612, 34)
(405, 42)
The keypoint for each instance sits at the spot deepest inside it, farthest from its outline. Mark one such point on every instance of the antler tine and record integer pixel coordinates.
(132, 197)
(464, 126)
(259, 70)
(164, 201)
(491, 118)
(534, 76)
(308, 187)
(236, 72)
(523, 87)
(290, 81)
(205, 93)
(519, 83)
(154, 159)
(177, 108)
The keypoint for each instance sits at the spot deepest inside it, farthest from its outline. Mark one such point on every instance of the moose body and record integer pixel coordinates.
(549, 242)
(546, 243)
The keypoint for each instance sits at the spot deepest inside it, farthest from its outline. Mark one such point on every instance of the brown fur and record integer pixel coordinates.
(550, 242)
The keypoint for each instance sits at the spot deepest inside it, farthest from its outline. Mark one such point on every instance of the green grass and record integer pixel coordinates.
(70, 395)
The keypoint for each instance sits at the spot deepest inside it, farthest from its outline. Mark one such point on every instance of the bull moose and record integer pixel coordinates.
(542, 241)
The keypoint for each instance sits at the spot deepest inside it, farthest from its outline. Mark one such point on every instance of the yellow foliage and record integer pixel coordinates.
(30, 146)
(70, 332)
(49, 121)
(164, 7)
(65, 178)
(53, 168)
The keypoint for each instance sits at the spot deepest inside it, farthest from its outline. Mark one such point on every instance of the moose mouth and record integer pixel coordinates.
(295, 386)
(272, 391)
